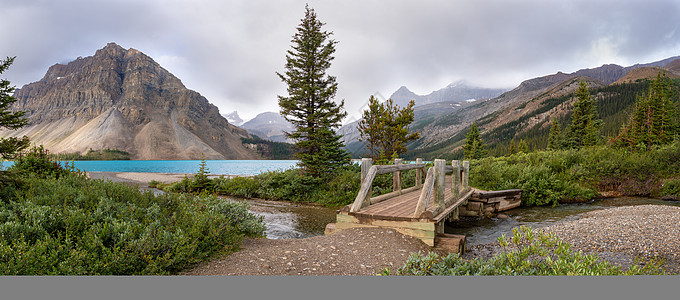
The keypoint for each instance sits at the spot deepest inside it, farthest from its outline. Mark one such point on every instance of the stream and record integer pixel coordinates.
(286, 220)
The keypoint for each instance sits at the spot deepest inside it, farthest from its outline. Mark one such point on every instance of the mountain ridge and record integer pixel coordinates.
(122, 99)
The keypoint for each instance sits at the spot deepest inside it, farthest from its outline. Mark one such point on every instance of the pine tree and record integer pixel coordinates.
(309, 105)
(555, 136)
(512, 149)
(10, 120)
(654, 120)
(523, 147)
(385, 128)
(584, 129)
(474, 147)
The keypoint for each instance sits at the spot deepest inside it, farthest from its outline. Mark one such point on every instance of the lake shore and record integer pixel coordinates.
(142, 179)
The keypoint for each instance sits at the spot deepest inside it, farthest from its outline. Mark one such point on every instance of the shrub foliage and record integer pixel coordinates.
(56, 222)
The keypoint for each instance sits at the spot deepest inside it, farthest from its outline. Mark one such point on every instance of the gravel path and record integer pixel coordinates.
(356, 251)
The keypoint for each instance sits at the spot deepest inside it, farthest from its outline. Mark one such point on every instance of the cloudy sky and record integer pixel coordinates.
(229, 50)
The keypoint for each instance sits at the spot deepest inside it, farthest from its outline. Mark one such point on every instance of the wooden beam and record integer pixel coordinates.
(494, 194)
(390, 195)
(455, 178)
(441, 215)
(396, 176)
(439, 183)
(425, 193)
(363, 196)
(419, 175)
(384, 169)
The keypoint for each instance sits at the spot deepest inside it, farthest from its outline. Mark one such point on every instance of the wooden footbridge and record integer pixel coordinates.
(420, 211)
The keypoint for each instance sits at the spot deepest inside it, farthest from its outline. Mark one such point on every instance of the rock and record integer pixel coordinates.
(502, 216)
(122, 99)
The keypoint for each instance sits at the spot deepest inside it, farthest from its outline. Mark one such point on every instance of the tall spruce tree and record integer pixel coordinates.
(385, 128)
(654, 120)
(474, 147)
(10, 120)
(584, 129)
(555, 136)
(309, 105)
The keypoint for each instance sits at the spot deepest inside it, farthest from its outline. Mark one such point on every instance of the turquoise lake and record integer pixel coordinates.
(220, 167)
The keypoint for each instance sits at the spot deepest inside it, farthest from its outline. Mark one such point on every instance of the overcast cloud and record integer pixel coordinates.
(229, 50)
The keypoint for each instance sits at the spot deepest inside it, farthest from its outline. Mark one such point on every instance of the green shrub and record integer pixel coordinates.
(525, 253)
(72, 225)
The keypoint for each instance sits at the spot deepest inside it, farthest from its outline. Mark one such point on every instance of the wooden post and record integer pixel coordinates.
(366, 164)
(466, 175)
(455, 177)
(439, 184)
(396, 176)
(419, 175)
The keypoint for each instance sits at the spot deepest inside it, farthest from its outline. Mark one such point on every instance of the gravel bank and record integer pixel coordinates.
(618, 235)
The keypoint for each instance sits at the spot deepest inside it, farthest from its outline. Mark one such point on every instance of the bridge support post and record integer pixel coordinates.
(419, 173)
(466, 175)
(396, 176)
(455, 177)
(366, 164)
(439, 183)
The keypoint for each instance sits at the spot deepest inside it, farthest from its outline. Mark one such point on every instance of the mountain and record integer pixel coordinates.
(233, 118)
(458, 91)
(524, 112)
(122, 99)
(269, 125)
(527, 110)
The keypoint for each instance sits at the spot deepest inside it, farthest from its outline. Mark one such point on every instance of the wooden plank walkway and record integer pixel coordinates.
(400, 208)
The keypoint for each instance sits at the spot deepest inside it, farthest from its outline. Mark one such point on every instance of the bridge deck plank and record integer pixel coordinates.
(400, 207)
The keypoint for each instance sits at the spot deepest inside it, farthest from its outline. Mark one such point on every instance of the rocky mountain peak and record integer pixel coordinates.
(122, 99)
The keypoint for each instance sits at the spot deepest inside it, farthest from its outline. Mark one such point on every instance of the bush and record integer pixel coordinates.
(525, 253)
(72, 225)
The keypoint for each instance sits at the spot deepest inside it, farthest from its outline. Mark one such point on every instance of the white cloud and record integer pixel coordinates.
(230, 50)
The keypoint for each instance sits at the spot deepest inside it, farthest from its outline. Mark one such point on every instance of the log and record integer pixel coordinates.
(453, 243)
(494, 194)
(419, 173)
(396, 176)
(364, 192)
(439, 182)
(384, 169)
(425, 193)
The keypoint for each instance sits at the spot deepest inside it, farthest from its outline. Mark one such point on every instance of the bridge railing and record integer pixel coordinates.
(434, 187)
(368, 173)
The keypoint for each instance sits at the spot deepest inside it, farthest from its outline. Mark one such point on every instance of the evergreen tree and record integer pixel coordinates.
(309, 105)
(385, 128)
(654, 120)
(474, 147)
(10, 120)
(555, 136)
(512, 149)
(584, 129)
(523, 147)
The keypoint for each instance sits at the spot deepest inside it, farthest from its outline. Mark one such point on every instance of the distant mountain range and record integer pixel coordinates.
(457, 91)
(270, 126)
(122, 99)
